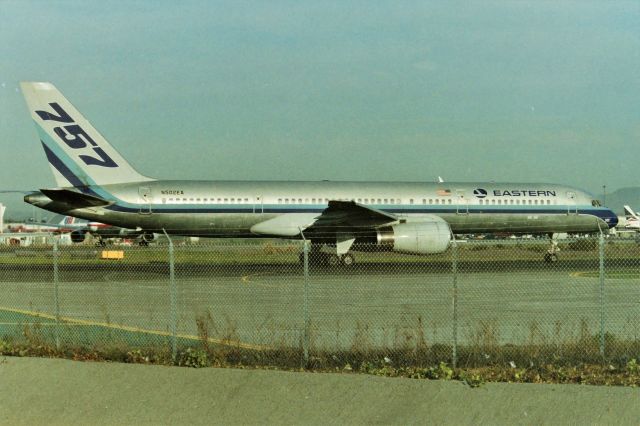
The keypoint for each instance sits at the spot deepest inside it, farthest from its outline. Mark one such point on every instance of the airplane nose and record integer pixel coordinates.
(611, 219)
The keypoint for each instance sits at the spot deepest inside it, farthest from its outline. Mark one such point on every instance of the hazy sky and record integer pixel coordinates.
(504, 90)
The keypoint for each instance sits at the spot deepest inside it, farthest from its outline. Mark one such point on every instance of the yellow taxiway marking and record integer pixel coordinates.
(576, 274)
(39, 324)
(609, 275)
(583, 274)
(75, 321)
(246, 279)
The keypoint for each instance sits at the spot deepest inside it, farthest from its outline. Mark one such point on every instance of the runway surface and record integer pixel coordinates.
(258, 306)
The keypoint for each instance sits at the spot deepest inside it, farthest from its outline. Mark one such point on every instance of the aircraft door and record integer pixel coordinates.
(572, 207)
(258, 204)
(462, 204)
(145, 199)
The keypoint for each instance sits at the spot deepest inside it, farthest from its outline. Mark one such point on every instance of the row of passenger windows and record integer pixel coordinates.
(207, 200)
(425, 201)
(529, 202)
(326, 200)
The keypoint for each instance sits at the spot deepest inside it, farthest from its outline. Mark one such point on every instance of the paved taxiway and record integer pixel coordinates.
(370, 306)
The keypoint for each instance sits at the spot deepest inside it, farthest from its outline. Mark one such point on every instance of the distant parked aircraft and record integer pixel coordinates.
(78, 229)
(97, 183)
(631, 219)
(58, 224)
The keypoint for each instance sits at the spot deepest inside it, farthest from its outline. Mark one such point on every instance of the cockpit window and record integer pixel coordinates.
(596, 203)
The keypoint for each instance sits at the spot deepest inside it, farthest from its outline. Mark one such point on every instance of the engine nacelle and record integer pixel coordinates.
(78, 236)
(430, 236)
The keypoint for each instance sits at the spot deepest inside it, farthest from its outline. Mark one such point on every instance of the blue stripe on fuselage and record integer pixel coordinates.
(603, 214)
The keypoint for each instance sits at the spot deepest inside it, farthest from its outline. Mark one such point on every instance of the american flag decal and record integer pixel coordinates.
(444, 192)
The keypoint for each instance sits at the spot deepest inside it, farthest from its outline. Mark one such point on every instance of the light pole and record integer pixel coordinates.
(604, 195)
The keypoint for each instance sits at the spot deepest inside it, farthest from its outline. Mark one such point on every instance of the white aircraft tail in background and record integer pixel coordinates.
(631, 218)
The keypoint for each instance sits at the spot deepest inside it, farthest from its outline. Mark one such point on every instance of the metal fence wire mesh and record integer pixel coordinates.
(482, 302)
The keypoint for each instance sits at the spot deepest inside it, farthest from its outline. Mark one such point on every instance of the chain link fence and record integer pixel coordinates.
(270, 302)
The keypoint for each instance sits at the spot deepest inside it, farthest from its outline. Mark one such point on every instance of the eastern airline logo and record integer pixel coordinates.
(75, 137)
(480, 193)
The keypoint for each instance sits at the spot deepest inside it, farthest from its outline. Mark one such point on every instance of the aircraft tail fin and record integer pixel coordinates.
(629, 213)
(63, 221)
(78, 154)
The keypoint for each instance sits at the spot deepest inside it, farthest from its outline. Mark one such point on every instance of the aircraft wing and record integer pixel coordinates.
(349, 214)
(339, 217)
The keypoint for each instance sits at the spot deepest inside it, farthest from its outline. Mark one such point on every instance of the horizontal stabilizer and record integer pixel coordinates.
(628, 211)
(76, 199)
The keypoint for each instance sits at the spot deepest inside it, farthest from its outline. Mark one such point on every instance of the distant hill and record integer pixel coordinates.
(617, 199)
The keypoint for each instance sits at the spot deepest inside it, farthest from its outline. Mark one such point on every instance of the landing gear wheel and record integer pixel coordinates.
(550, 257)
(348, 259)
(333, 260)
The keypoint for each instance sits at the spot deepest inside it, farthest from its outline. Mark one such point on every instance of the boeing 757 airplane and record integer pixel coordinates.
(96, 183)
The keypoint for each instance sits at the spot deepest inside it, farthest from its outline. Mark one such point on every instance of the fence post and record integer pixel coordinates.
(601, 256)
(56, 279)
(305, 341)
(174, 299)
(454, 271)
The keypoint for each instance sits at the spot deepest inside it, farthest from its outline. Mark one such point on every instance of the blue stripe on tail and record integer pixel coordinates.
(61, 167)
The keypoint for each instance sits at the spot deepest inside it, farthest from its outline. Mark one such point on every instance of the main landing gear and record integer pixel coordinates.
(551, 256)
(346, 259)
(320, 258)
(331, 255)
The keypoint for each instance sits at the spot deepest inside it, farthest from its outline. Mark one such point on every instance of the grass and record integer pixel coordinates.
(433, 364)
(286, 253)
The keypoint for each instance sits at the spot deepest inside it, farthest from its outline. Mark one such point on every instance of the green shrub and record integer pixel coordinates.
(196, 358)
(472, 380)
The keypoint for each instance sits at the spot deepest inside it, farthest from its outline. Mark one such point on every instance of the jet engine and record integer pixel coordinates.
(78, 236)
(429, 236)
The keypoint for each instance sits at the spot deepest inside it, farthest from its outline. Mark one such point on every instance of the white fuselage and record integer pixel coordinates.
(232, 208)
